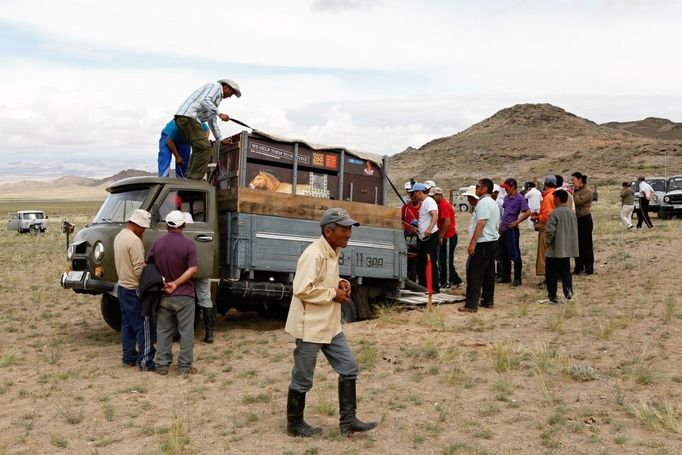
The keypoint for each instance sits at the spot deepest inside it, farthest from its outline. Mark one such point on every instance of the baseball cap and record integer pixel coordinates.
(510, 182)
(141, 217)
(435, 190)
(429, 184)
(471, 191)
(419, 187)
(233, 85)
(175, 219)
(550, 180)
(408, 186)
(338, 216)
(496, 188)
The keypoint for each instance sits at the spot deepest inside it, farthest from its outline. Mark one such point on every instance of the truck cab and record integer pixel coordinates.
(671, 203)
(659, 186)
(250, 224)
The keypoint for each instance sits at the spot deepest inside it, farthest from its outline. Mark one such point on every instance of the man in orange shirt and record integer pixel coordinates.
(548, 204)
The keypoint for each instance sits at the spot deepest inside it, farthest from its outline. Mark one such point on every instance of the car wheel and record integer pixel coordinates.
(111, 311)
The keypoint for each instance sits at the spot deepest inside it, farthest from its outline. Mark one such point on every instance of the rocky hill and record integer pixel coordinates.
(529, 140)
(653, 127)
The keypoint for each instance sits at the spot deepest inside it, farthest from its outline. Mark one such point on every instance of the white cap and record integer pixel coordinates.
(408, 186)
(496, 188)
(141, 217)
(429, 184)
(233, 85)
(175, 219)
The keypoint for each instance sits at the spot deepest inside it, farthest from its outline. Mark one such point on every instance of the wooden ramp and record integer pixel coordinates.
(413, 299)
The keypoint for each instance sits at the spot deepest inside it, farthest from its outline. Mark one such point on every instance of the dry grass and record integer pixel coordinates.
(598, 374)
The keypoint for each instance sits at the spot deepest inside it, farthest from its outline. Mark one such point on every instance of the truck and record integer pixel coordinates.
(258, 210)
(33, 221)
(671, 203)
(659, 186)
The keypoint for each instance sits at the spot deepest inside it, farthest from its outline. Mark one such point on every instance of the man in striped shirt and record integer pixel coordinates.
(202, 106)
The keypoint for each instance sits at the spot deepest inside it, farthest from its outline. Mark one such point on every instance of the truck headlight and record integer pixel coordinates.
(666, 199)
(98, 252)
(69, 252)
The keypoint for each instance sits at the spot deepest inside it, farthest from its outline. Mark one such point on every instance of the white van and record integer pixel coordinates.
(27, 221)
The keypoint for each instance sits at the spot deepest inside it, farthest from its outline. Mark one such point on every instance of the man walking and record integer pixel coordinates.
(202, 106)
(582, 197)
(176, 258)
(482, 249)
(447, 240)
(515, 212)
(646, 192)
(627, 200)
(314, 320)
(428, 237)
(561, 235)
(136, 330)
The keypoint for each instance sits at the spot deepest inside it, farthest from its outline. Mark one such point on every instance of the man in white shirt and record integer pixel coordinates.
(202, 106)
(534, 198)
(645, 194)
(428, 240)
(482, 249)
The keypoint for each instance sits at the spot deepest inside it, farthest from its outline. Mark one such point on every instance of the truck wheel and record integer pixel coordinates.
(349, 312)
(111, 311)
(664, 215)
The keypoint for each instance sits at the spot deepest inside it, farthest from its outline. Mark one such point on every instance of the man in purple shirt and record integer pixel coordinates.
(515, 211)
(176, 258)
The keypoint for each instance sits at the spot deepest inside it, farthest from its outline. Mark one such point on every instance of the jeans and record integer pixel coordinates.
(165, 156)
(203, 287)
(175, 311)
(338, 354)
(481, 274)
(511, 238)
(558, 269)
(136, 330)
(201, 147)
(585, 261)
(428, 247)
(446, 262)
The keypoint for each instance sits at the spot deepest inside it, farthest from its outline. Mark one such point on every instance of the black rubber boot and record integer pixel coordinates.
(296, 426)
(348, 422)
(209, 322)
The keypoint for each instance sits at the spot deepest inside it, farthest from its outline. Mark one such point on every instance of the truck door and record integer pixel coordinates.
(200, 223)
(13, 222)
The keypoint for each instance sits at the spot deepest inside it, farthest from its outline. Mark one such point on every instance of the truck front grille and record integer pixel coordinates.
(675, 198)
(79, 264)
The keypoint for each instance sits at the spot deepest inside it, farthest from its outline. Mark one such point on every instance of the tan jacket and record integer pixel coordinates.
(129, 258)
(583, 201)
(313, 314)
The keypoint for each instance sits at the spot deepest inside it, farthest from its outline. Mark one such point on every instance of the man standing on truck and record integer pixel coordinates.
(176, 258)
(202, 106)
(314, 320)
(136, 330)
(173, 144)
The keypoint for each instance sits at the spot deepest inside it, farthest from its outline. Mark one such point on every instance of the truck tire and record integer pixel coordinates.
(664, 215)
(111, 311)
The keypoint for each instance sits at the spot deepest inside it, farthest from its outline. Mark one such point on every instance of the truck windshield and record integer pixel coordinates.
(118, 207)
(33, 216)
(675, 184)
(657, 184)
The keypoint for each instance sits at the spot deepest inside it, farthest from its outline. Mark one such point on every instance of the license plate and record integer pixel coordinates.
(74, 276)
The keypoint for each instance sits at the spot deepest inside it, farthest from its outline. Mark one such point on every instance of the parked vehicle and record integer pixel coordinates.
(252, 223)
(460, 201)
(33, 221)
(671, 204)
(659, 185)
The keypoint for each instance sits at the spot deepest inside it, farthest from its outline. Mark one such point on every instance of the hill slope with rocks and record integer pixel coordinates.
(529, 140)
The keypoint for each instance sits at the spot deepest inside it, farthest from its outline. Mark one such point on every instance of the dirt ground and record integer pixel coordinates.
(599, 375)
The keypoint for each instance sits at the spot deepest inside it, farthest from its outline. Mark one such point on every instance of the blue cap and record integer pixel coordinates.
(418, 187)
(550, 180)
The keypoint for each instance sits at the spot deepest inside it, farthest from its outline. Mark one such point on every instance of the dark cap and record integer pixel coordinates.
(338, 216)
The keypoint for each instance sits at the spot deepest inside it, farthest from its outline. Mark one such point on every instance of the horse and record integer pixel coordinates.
(266, 181)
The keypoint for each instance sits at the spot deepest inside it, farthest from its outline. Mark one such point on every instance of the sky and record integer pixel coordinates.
(87, 86)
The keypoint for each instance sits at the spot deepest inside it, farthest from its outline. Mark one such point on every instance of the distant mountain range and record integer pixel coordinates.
(529, 140)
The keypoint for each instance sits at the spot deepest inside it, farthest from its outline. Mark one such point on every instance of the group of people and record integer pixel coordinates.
(185, 137)
(561, 215)
(156, 293)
